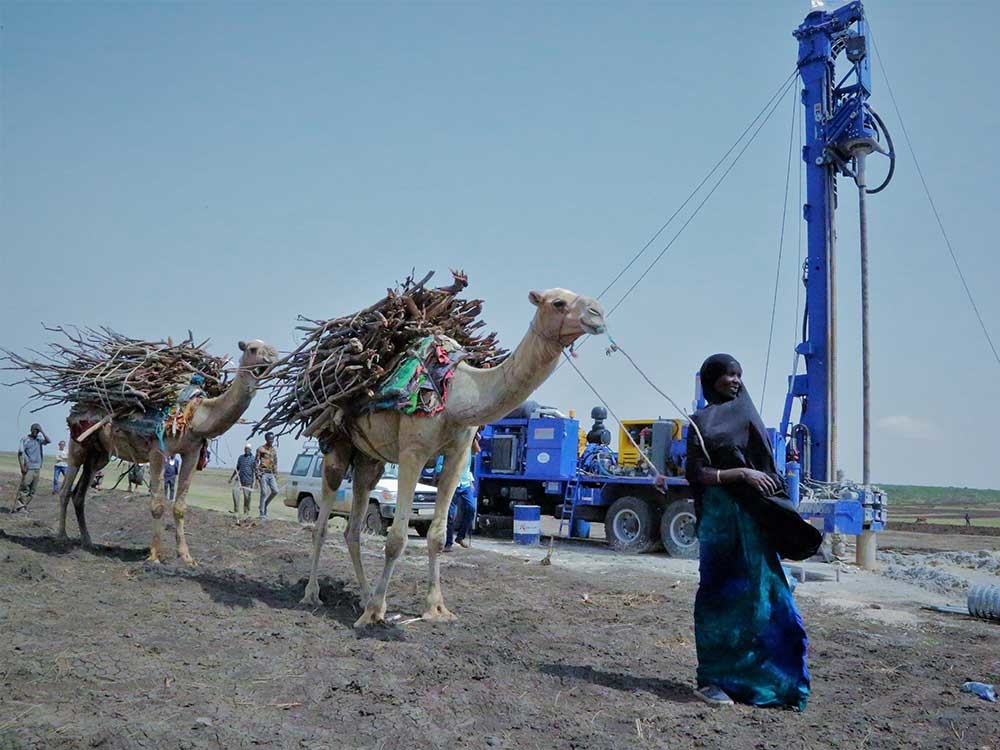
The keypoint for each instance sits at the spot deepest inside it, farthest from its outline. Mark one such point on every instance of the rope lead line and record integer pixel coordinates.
(612, 413)
(766, 113)
(699, 186)
(930, 199)
(781, 247)
(616, 348)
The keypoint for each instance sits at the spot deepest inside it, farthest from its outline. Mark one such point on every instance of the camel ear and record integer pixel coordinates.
(535, 298)
(243, 346)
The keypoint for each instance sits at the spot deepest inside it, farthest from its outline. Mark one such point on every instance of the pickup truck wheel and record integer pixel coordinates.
(308, 510)
(678, 531)
(422, 528)
(628, 525)
(372, 521)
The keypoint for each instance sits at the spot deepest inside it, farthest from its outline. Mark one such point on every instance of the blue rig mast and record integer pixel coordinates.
(841, 130)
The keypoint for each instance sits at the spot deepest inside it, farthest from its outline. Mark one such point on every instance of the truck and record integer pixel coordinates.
(305, 486)
(543, 458)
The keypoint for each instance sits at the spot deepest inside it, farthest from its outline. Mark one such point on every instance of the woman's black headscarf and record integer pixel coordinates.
(734, 437)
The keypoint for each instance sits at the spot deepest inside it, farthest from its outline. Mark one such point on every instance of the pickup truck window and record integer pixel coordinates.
(301, 466)
(318, 468)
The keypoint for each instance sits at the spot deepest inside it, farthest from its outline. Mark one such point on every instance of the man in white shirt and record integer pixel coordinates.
(61, 467)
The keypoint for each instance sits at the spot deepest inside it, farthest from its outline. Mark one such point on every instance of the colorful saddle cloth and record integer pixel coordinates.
(419, 384)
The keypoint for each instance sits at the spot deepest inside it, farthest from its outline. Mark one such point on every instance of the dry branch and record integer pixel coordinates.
(339, 363)
(103, 369)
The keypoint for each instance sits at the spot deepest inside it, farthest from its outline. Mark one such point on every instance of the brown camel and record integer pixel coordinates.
(475, 397)
(209, 418)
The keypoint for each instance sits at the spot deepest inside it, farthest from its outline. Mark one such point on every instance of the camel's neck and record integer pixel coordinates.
(477, 397)
(216, 415)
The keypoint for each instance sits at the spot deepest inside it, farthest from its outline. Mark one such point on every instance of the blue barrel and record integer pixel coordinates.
(580, 529)
(527, 524)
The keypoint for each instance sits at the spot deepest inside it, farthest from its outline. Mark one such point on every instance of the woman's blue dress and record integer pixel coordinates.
(750, 638)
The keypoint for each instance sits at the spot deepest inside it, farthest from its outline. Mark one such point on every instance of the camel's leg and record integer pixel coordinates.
(456, 458)
(97, 459)
(367, 472)
(79, 497)
(189, 461)
(335, 464)
(411, 460)
(76, 458)
(157, 504)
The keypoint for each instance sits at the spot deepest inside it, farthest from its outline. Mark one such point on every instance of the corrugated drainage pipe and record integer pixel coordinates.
(984, 601)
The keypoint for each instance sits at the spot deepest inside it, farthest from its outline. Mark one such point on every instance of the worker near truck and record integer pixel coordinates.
(750, 640)
(462, 511)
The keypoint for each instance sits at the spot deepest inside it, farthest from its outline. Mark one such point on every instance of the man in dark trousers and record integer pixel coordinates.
(245, 472)
(462, 511)
(170, 468)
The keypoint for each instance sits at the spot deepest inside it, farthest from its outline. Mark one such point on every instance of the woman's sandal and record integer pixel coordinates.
(713, 695)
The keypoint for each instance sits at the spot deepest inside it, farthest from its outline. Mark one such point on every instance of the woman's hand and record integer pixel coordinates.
(763, 483)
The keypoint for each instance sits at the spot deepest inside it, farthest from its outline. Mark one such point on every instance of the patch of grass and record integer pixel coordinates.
(906, 494)
(948, 521)
(209, 488)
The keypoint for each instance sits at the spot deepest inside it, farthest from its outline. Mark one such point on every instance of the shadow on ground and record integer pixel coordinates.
(676, 692)
(54, 546)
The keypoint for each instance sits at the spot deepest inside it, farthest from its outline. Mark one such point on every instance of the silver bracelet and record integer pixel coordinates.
(718, 476)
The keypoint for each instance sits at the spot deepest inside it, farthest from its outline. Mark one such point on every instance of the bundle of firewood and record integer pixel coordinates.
(337, 367)
(116, 374)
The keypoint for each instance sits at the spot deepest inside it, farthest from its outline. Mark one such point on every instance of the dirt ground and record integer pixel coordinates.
(102, 650)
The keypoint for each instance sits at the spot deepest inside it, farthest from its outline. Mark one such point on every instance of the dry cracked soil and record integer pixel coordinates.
(103, 650)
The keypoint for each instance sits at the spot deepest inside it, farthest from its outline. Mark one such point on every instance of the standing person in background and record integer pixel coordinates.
(267, 468)
(61, 467)
(246, 472)
(170, 468)
(29, 456)
(462, 511)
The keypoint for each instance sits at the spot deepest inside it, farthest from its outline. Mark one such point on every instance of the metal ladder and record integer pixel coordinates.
(570, 498)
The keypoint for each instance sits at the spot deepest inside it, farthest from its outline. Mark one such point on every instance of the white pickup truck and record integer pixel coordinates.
(305, 486)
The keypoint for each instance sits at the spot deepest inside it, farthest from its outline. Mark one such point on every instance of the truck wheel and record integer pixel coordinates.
(308, 510)
(628, 525)
(372, 521)
(422, 528)
(677, 530)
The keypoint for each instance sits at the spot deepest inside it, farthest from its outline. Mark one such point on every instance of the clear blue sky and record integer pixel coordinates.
(225, 166)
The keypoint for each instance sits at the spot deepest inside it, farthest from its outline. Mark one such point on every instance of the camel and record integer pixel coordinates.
(210, 418)
(475, 397)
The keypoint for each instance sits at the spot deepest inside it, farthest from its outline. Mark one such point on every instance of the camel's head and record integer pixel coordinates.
(565, 316)
(257, 357)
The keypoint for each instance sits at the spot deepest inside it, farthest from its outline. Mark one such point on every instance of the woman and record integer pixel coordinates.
(750, 639)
